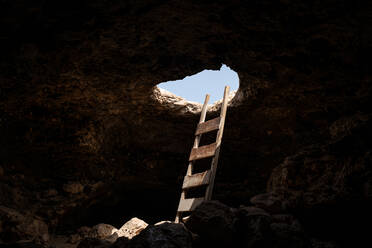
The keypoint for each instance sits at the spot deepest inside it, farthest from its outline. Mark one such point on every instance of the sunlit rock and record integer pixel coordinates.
(131, 228)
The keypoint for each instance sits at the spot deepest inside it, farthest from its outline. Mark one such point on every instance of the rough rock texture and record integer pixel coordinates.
(214, 222)
(248, 226)
(328, 183)
(270, 202)
(93, 243)
(100, 235)
(253, 227)
(162, 235)
(78, 103)
(15, 226)
(132, 228)
(103, 231)
(322, 174)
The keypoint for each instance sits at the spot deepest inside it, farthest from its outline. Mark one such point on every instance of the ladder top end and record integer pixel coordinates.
(206, 98)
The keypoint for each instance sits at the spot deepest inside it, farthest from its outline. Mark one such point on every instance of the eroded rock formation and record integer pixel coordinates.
(85, 139)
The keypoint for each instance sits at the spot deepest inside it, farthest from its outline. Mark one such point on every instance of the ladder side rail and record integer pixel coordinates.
(196, 145)
(209, 190)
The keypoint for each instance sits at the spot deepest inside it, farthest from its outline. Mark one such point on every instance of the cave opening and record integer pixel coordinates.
(194, 88)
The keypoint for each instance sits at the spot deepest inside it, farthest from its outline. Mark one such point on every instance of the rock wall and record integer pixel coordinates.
(82, 128)
(330, 183)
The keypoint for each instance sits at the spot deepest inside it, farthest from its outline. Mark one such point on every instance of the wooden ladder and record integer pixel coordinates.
(205, 178)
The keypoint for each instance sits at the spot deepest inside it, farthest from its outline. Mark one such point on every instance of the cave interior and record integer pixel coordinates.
(86, 136)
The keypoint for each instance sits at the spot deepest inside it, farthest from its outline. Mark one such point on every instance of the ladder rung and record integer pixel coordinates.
(196, 180)
(203, 152)
(208, 126)
(187, 205)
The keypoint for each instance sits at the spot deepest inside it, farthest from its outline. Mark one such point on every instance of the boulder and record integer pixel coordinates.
(316, 243)
(93, 243)
(289, 236)
(85, 231)
(270, 202)
(103, 231)
(16, 226)
(244, 211)
(88, 236)
(253, 227)
(213, 221)
(131, 228)
(287, 219)
(163, 235)
(22, 244)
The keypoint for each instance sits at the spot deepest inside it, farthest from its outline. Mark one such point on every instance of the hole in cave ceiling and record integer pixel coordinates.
(194, 88)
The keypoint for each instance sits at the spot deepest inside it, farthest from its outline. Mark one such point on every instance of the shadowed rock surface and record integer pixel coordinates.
(218, 225)
(86, 138)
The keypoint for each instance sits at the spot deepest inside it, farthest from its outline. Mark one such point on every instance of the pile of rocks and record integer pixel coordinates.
(266, 223)
(136, 233)
(17, 227)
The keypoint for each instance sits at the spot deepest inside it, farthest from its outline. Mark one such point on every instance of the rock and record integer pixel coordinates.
(84, 231)
(213, 221)
(121, 242)
(347, 125)
(316, 243)
(253, 227)
(163, 235)
(289, 236)
(283, 218)
(132, 228)
(74, 238)
(16, 227)
(287, 219)
(50, 193)
(103, 231)
(108, 232)
(270, 202)
(63, 241)
(323, 174)
(252, 211)
(73, 188)
(93, 243)
(22, 244)
(175, 102)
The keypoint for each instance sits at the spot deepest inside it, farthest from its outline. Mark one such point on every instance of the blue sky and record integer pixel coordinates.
(195, 87)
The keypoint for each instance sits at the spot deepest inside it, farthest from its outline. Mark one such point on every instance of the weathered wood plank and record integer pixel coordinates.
(208, 126)
(203, 152)
(196, 180)
(187, 205)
